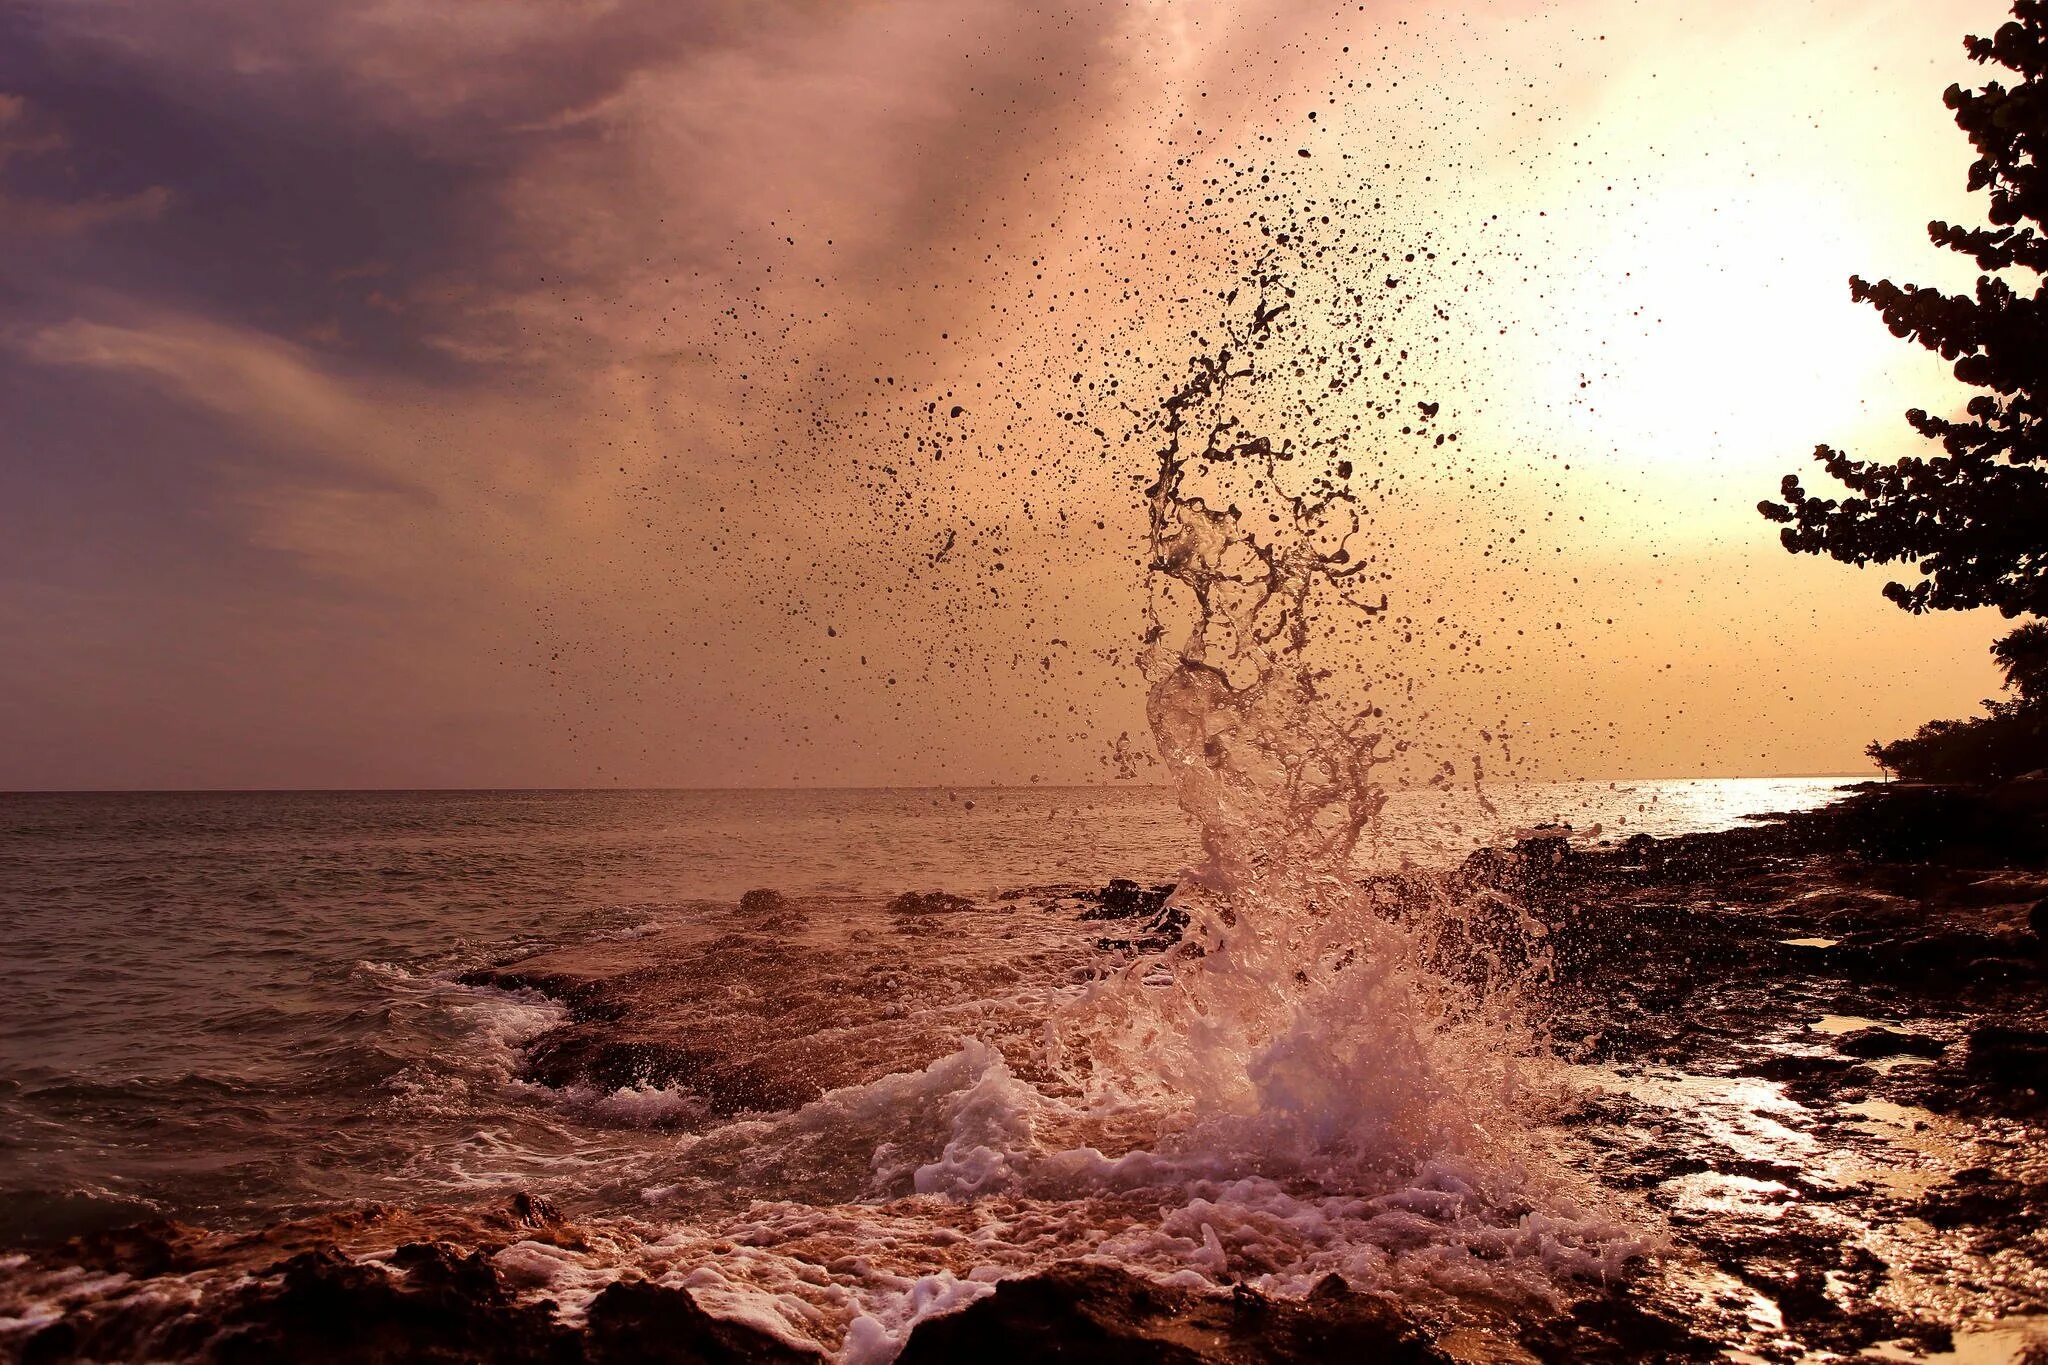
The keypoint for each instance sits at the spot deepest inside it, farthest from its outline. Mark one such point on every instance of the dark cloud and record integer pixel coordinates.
(300, 168)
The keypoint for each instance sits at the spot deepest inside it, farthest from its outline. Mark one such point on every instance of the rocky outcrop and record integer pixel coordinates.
(1160, 925)
(194, 1296)
(1099, 1315)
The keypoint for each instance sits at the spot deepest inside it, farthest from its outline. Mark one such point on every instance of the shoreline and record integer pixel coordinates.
(1868, 975)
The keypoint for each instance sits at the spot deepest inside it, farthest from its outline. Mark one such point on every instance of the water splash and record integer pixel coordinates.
(1330, 1074)
(1319, 1014)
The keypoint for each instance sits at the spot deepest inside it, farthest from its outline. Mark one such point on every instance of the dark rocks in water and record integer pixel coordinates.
(1640, 848)
(634, 1322)
(1124, 899)
(430, 1304)
(1494, 867)
(1795, 1067)
(585, 999)
(1533, 869)
(320, 1306)
(594, 1056)
(1962, 825)
(1609, 1327)
(928, 903)
(1980, 1200)
(2037, 921)
(1545, 851)
(158, 1247)
(772, 912)
(533, 1210)
(2012, 1056)
(1884, 1042)
(1098, 1315)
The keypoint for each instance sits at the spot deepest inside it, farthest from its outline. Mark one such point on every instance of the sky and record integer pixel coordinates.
(524, 393)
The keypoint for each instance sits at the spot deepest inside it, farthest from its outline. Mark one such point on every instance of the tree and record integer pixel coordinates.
(2023, 655)
(1973, 520)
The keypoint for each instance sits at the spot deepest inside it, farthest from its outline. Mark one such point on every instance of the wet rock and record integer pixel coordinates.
(2011, 1055)
(159, 1247)
(1163, 924)
(323, 1307)
(1545, 851)
(1980, 1200)
(1640, 849)
(597, 1057)
(771, 912)
(1797, 1067)
(1125, 899)
(586, 1000)
(431, 1303)
(533, 1211)
(1884, 1042)
(638, 1323)
(1090, 1314)
(1614, 1327)
(928, 903)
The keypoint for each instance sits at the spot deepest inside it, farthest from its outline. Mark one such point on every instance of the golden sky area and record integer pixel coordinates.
(517, 394)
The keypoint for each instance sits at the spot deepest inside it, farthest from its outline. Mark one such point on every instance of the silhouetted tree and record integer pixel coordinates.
(2024, 657)
(1973, 519)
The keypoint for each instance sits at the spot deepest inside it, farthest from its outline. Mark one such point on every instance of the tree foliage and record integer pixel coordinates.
(2023, 656)
(1973, 520)
(2010, 740)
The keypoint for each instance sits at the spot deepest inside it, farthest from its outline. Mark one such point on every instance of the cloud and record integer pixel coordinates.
(27, 140)
(599, 332)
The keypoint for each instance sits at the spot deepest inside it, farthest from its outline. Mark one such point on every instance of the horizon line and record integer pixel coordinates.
(851, 787)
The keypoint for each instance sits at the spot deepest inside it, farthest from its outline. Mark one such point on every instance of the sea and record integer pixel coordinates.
(228, 1008)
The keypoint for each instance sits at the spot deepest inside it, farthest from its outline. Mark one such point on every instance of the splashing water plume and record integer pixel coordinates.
(1313, 1015)
(1330, 1073)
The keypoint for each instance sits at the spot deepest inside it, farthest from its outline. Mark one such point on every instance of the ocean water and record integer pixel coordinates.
(227, 1007)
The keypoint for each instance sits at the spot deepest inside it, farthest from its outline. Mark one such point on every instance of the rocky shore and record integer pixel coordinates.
(1816, 1048)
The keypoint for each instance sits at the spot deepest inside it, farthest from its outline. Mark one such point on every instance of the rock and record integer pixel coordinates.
(1793, 1067)
(2012, 1056)
(1609, 1327)
(578, 1054)
(928, 903)
(2037, 920)
(323, 1307)
(1098, 1315)
(1124, 899)
(1884, 1042)
(634, 1322)
(533, 1211)
(771, 912)
(143, 1250)
(585, 999)
(434, 1305)
(1982, 1201)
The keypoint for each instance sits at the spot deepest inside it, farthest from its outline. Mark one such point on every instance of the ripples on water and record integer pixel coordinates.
(228, 1006)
